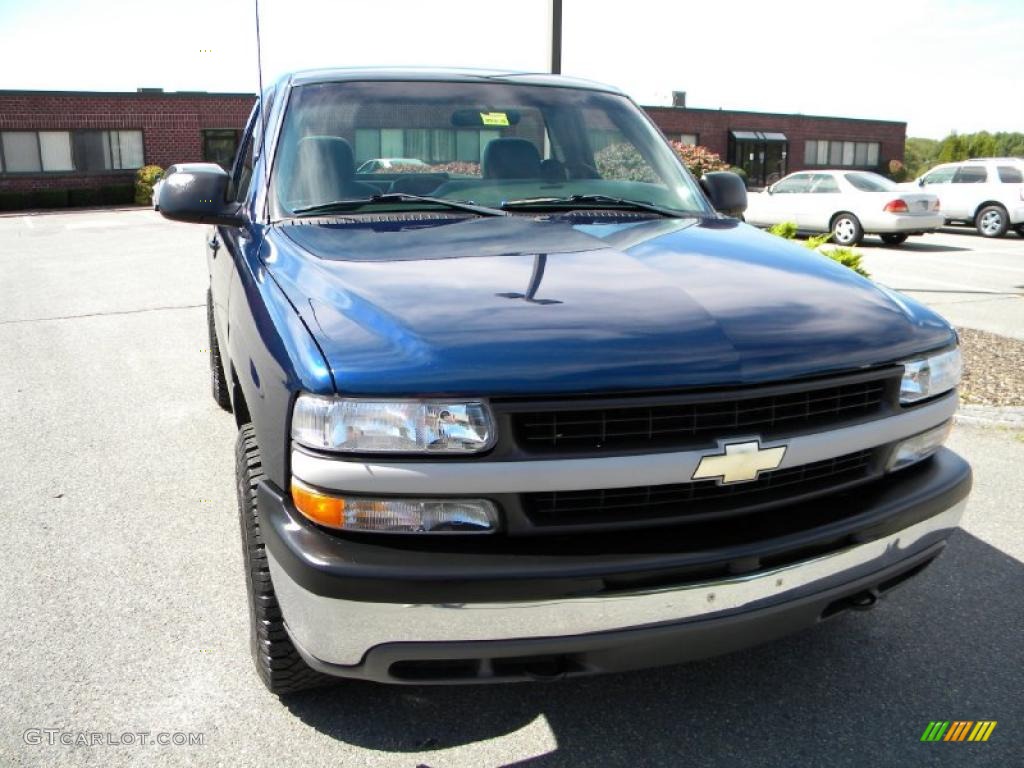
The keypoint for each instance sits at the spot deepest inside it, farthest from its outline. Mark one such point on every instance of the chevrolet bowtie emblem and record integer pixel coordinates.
(740, 463)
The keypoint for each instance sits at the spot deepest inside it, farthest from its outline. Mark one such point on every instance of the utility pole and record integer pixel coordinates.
(556, 37)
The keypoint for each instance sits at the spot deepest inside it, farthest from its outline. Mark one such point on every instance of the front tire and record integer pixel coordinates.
(846, 230)
(893, 239)
(278, 663)
(218, 384)
(992, 221)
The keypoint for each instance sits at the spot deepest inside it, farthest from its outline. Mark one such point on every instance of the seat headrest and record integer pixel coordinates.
(324, 167)
(511, 158)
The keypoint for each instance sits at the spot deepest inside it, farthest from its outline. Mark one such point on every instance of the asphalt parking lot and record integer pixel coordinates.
(975, 282)
(125, 600)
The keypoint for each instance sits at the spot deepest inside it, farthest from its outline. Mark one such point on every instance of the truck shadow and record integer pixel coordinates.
(856, 690)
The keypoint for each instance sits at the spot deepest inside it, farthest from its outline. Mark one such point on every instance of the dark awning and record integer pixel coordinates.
(757, 136)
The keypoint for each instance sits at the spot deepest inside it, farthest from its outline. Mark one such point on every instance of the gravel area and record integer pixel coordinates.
(993, 369)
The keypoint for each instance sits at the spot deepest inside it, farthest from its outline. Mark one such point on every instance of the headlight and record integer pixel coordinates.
(920, 446)
(392, 426)
(930, 376)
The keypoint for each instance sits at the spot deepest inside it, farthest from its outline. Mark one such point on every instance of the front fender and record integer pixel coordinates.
(271, 354)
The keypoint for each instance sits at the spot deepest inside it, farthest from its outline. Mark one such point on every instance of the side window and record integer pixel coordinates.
(970, 174)
(939, 176)
(792, 185)
(823, 183)
(1010, 175)
(241, 174)
(241, 171)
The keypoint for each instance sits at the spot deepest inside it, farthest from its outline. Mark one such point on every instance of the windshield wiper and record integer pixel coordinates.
(560, 202)
(399, 197)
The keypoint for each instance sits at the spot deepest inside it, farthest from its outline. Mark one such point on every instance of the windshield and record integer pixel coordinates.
(486, 143)
(870, 182)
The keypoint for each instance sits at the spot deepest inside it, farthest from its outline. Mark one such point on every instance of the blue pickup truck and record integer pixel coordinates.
(524, 400)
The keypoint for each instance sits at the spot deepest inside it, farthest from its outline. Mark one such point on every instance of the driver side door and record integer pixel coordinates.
(787, 200)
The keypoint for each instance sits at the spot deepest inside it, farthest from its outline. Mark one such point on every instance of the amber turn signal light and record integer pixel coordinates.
(318, 507)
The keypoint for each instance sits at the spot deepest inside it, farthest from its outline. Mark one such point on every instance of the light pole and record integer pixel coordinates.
(556, 37)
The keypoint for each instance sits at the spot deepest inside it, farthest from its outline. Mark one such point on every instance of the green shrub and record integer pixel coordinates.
(845, 256)
(785, 229)
(816, 241)
(15, 201)
(117, 194)
(83, 197)
(738, 171)
(145, 178)
(50, 198)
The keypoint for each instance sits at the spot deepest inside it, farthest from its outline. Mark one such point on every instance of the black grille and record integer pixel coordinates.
(696, 500)
(627, 426)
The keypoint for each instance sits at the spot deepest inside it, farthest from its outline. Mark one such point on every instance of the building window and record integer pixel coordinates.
(66, 151)
(431, 145)
(21, 151)
(219, 146)
(854, 154)
(686, 138)
(55, 151)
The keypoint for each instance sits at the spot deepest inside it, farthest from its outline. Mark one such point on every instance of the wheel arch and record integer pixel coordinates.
(986, 204)
(238, 405)
(837, 214)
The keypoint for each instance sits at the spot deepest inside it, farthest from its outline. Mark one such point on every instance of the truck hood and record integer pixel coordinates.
(520, 305)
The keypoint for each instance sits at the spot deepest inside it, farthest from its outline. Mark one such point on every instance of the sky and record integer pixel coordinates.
(939, 65)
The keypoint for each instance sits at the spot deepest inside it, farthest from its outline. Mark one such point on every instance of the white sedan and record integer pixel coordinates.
(849, 204)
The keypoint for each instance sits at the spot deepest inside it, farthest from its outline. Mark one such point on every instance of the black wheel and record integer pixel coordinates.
(992, 221)
(278, 664)
(893, 239)
(218, 384)
(846, 230)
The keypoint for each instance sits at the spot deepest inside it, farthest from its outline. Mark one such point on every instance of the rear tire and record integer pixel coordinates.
(992, 221)
(218, 384)
(893, 239)
(278, 663)
(846, 230)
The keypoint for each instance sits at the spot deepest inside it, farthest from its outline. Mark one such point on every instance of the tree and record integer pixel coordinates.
(953, 148)
(919, 155)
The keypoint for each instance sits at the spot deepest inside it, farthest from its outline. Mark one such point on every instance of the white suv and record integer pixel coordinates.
(986, 192)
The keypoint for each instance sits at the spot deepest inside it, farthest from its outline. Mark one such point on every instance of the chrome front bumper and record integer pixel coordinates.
(333, 632)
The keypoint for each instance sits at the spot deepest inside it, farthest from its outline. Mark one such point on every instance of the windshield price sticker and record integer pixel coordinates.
(494, 118)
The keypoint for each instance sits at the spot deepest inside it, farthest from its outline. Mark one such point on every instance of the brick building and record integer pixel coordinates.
(768, 146)
(77, 139)
(73, 140)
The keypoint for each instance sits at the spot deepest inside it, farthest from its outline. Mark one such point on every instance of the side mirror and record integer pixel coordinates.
(770, 189)
(726, 191)
(920, 182)
(197, 193)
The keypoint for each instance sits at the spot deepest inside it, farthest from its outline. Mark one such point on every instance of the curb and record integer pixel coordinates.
(69, 210)
(990, 415)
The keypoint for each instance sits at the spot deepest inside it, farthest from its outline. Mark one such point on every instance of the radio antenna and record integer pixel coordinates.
(263, 112)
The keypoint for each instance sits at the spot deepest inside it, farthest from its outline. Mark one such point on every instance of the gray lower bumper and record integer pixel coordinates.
(339, 633)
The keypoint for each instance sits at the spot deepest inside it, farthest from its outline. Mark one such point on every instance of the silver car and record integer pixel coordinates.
(847, 203)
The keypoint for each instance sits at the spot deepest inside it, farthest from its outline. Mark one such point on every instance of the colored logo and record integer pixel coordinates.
(740, 463)
(958, 730)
